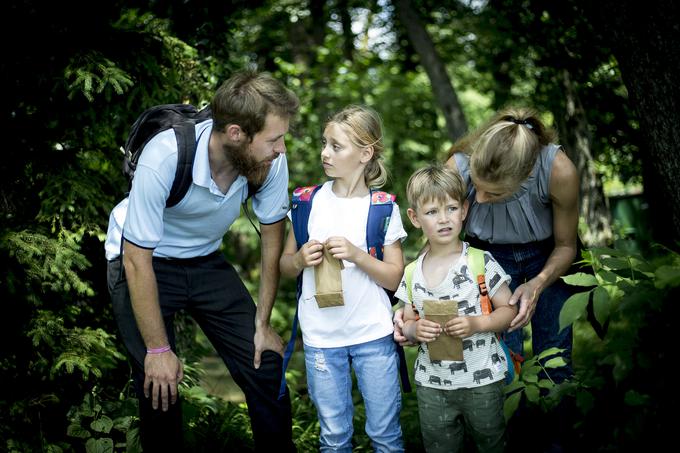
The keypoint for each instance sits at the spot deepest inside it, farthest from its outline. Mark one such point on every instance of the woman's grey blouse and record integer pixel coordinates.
(526, 216)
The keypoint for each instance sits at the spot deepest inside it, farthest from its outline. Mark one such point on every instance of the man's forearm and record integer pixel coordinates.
(144, 298)
(272, 246)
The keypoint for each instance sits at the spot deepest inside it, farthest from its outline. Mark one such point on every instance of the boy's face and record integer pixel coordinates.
(441, 221)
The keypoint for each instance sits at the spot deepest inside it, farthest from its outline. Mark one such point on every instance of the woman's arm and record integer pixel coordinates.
(564, 188)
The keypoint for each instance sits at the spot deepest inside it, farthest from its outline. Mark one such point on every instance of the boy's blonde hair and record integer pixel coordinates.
(434, 182)
(363, 126)
(505, 149)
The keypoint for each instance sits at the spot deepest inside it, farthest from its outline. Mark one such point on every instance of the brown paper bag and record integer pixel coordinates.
(444, 347)
(328, 281)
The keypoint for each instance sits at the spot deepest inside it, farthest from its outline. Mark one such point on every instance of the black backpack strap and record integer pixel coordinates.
(186, 151)
(252, 190)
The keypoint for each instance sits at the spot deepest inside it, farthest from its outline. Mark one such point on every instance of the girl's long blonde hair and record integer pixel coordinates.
(363, 126)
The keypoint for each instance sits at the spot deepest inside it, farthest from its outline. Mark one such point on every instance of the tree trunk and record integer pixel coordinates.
(445, 95)
(572, 126)
(644, 38)
(347, 35)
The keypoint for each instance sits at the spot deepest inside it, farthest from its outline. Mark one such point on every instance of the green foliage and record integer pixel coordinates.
(92, 74)
(534, 384)
(622, 353)
(105, 426)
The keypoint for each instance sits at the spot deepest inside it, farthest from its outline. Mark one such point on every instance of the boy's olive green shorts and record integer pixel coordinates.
(447, 416)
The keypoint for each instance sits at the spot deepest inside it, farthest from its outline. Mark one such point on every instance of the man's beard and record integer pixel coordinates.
(245, 164)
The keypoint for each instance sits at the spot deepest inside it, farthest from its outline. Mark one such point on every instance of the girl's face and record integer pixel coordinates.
(340, 158)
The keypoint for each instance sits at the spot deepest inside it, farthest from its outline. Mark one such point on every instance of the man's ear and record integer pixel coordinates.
(235, 133)
(466, 206)
(413, 217)
(366, 154)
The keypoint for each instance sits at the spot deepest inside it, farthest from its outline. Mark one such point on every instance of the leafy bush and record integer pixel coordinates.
(623, 323)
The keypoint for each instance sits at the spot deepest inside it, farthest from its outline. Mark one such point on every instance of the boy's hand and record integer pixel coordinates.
(342, 249)
(309, 254)
(427, 331)
(462, 326)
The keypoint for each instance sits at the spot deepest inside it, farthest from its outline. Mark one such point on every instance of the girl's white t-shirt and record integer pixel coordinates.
(367, 313)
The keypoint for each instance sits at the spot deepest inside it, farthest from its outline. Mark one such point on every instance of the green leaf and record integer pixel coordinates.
(667, 276)
(601, 304)
(102, 424)
(633, 398)
(573, 309)
(555, 362)
(511, 404)
(546, 384)
(104, 445)
(607, 276)
(533, 378)
(530, 370)
(580, 279)
(585, 401)
(77, 431)
(532, 392)
(513, 386)
(132, 439)
(616, 263)
(548, 352)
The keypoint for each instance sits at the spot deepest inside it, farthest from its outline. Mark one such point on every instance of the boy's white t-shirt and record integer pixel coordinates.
(367, 313)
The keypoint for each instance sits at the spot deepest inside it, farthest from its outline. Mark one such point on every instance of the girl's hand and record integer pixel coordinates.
(399, 330)
(462, 326)
(342, 249)
(309, 254)
(427, 331)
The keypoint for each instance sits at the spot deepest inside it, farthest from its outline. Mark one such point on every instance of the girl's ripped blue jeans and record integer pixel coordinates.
(523, 262)
(376, 366)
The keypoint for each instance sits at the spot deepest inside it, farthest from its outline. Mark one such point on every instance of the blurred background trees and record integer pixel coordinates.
(605, 74)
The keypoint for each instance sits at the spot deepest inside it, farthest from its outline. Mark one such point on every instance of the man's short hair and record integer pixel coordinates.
(246, 99)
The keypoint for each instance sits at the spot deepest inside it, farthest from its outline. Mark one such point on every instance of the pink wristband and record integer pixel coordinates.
(158, 350)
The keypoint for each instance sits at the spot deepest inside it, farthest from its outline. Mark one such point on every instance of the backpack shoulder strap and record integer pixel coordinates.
(379, 214)
(186, 151)
(476, 263)
(408, 278)
(301, 207)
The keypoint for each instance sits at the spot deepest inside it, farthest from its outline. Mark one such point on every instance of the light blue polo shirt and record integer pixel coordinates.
(196, 225)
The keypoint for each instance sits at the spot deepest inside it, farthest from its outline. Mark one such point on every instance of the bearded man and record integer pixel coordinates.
(171, 260)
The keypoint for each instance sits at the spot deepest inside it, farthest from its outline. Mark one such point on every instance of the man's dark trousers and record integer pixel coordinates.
(209, 289)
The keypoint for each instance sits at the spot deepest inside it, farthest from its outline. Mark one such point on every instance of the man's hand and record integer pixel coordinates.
(162, 374)
(266, 340)
(527, 296)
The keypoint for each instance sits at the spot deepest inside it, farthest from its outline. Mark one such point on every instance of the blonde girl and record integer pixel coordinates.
(358, 334)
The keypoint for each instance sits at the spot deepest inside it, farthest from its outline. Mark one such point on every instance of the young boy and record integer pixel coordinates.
(455, 397)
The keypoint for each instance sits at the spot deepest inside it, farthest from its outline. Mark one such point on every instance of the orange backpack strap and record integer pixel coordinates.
(476, 262)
